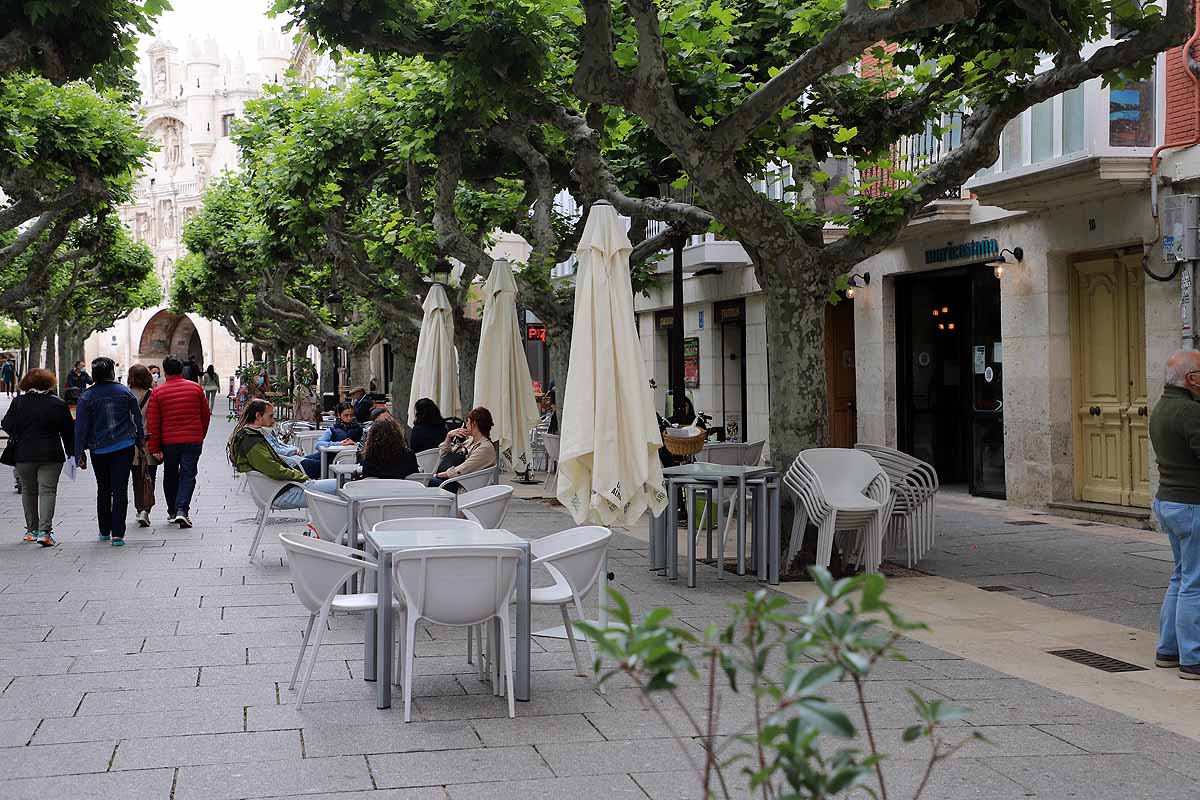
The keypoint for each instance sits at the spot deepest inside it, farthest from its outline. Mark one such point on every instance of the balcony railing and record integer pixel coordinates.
(911, 156)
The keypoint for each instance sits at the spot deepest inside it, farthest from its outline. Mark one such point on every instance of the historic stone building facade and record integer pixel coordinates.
(188, 105)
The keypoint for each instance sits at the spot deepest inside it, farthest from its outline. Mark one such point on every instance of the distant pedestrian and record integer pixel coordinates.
(41, 433)
(1175, 434)
(8, 376)
(210, 382)
(155, 374)
(144, 473)
(177, 420)
(109, 423)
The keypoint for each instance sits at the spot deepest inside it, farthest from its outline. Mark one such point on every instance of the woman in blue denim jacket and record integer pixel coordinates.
(109, 423)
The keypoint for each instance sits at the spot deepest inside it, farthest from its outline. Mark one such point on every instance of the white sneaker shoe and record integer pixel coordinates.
(143, 519)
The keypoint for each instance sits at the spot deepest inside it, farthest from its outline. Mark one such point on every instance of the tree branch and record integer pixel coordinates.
(845, 41)
(1041, 12)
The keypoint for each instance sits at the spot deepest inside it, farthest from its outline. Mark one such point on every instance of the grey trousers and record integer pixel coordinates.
(39, 492)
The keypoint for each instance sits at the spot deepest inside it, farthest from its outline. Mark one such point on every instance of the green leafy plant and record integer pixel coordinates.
(782, 660)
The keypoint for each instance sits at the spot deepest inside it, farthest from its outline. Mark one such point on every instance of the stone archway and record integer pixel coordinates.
(169, 334)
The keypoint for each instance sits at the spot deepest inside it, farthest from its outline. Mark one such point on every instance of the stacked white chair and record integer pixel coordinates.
(489, 505)
(319, 569)
(914, 489)
(456, 587)
(264, 490)
(839, 490)
(574, 558)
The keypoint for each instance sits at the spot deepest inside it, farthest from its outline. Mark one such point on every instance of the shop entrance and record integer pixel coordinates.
(950, 375)
(731, 320)
(839, 374)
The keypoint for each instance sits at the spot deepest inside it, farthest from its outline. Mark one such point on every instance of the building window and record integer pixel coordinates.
(226, 124)
(1011, 145)
(1042, 143)
(1072, 120)
(1131, 115)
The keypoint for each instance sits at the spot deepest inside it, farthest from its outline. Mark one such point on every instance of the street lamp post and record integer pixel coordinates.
(678, 238)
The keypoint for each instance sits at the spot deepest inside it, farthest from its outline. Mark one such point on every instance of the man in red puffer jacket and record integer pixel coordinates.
(177, 417)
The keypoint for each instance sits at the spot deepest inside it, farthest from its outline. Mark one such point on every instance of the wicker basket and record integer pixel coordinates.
(684, 445)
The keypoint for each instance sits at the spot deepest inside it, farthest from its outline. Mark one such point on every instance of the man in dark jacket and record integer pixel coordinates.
(177, 418)
(363, 404)
(1175, 434)
(78, 377)
(109, 423)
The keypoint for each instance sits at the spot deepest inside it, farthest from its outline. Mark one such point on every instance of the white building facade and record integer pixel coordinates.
(188, 107)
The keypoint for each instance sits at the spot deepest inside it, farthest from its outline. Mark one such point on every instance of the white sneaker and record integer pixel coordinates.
(143, 519)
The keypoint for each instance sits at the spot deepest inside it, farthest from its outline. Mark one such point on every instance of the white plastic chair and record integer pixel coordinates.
(574, 558)
(839, 490)
(456, 587)
(426, 524)
(345, 457)
(427, 460)
(306, 441)
(318, 570)
(489, 504)
(488, 476)
(914, 489)
(327, 515)
(372, 512)
(264, 490)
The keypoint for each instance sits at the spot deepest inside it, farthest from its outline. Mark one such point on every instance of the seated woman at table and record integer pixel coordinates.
(386, 453)
(466, 450)
(428, 428)
(345, 430)
(248, 451)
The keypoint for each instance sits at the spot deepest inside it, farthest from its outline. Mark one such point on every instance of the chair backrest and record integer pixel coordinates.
(427, 460)
(372, 512)
(725, 453)
(471, 516)
(263, 489)
(488, 476)
(576, 555)
(901, 467)
(345, 457)
(841, 469)
(427, 524)
(319, 568)
(552, 442)
(456, 585)
(327, 513)
(752, 452)
(489, 504)
(306, 440)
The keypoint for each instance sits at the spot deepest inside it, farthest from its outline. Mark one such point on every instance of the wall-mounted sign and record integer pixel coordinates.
(730, 310)
(664, 320)
(980, 359)
(691, 362)
(700, 319)
(979, 249)
(535, 333)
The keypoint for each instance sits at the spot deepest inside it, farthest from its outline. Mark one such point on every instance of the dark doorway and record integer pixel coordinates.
(731, 319)
(950, 375)
(841, 392)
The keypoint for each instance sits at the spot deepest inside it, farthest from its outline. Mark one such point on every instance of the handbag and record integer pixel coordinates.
(9, 457)
(451, 460)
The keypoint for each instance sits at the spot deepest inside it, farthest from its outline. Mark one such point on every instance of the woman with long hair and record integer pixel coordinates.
(211, 383)
(41, 433)
(249, 451)
(144, 473)
(467, 449)
(429, 428)
(386, 453)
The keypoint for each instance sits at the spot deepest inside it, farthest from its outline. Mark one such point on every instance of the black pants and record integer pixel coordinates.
(180, 464)
(112, 490)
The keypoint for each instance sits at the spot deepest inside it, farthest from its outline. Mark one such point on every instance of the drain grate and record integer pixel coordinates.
(997, 588)
(1027, 522)
(1097, 661)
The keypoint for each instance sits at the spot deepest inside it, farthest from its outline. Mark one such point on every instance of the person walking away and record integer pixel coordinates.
(8, 375)
(109, 423)
(429, 428)
(210, 382)
(386, 453)
(248, 451)
(466, 450)
(40, 432)
(177, 418)
(345, 430)
(145, 467)
(1175, 434)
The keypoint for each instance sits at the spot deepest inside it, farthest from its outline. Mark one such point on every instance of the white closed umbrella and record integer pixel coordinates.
(608, 468)
(502, 382)
(435, 373)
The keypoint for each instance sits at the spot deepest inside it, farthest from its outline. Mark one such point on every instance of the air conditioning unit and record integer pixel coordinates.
(1181, 228)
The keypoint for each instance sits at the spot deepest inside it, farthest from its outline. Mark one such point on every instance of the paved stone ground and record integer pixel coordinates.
(1098, 570)
(160, 671)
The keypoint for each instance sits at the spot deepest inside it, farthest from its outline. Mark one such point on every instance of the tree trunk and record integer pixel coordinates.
(466, 340)
(65, 358)
(559, 339)
(36, 340)
(329, 371)
(404, 349)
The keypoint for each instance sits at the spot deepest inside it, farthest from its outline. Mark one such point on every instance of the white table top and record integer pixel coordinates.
(339, 448)
(344, 468)
(380, 488)
(702, 469)
(404, 540)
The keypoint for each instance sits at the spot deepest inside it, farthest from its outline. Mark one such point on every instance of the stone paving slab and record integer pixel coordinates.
(161, 671)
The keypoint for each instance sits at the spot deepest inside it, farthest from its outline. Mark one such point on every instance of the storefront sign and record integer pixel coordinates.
(979, 249)
(691, 362)
(664, 320)
(730, 310)
(536, 333)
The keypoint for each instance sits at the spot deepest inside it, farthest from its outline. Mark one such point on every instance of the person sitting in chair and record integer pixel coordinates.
(249, 451)
(345, 430)
(467, 449)
(386, 453)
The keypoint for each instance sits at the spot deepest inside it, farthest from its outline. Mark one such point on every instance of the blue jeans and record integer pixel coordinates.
(1179, 622)
(311, 464)
(112, 490)
(179, 475)
(293, 496)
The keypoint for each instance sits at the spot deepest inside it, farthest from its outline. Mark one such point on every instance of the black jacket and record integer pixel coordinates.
(405, 465)
(39, 426)
(426, 437)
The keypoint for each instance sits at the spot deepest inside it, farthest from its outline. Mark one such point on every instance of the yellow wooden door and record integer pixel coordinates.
(1109, 336)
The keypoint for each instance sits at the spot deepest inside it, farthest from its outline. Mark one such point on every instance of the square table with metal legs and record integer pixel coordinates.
(381, 636)
(328, 452)
(345, 472)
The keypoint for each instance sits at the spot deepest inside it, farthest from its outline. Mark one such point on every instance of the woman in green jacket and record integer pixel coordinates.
(249, 451)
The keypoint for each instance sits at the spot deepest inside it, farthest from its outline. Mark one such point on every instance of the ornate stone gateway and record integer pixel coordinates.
(167, 334)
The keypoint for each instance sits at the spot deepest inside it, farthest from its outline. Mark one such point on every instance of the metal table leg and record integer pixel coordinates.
(741, 526)
(521, 678)
(773, 544)
(690, 499)
(383, 642)
(721, 538)
(672, 548)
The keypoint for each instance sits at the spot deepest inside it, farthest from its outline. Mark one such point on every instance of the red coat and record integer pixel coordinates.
(177, 413)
